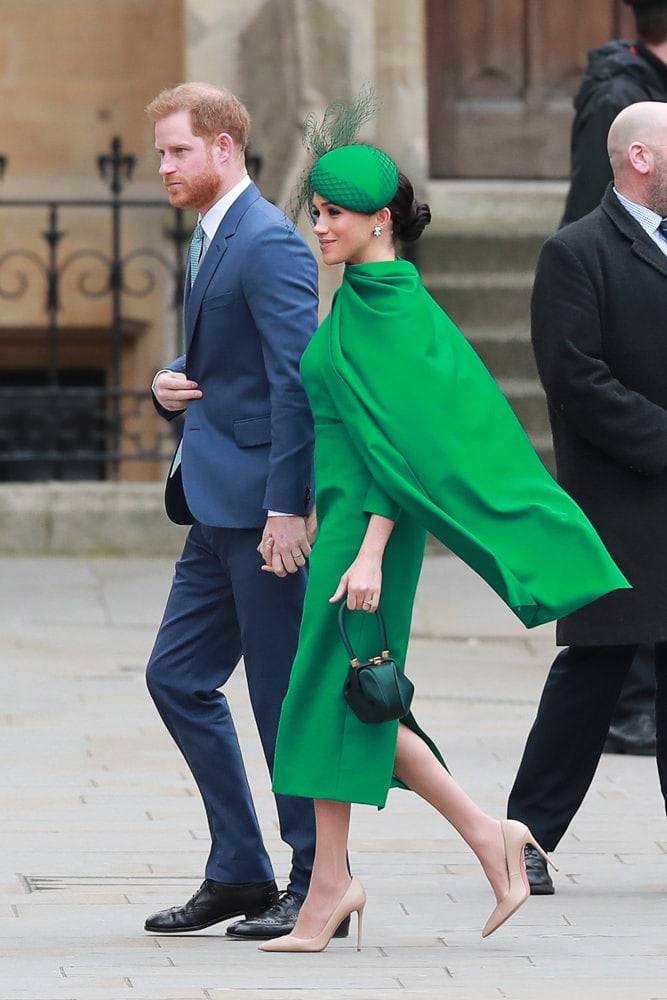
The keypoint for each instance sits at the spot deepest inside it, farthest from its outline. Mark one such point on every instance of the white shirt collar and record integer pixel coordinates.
(217, 212)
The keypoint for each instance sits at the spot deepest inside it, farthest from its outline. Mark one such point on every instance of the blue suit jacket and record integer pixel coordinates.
(247, 443)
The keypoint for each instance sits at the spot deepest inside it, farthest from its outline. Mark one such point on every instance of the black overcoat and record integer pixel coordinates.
(599, 330)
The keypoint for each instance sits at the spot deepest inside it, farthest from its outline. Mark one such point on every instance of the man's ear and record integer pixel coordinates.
(640, 157)
(223, 144)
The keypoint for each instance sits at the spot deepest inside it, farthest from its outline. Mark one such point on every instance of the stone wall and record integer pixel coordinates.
(74, 73)
(86, 519)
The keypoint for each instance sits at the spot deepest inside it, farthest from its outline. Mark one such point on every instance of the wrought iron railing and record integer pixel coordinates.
(60, 418)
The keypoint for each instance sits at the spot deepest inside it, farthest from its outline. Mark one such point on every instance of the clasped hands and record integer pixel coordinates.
(286, 543)
(286, 540)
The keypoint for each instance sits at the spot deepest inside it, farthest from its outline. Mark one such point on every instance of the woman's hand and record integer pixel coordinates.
(362, 582)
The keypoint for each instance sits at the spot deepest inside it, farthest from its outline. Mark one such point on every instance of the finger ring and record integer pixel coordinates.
(295, 555)
(367, 604)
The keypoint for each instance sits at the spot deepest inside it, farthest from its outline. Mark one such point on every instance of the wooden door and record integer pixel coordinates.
(501, 77)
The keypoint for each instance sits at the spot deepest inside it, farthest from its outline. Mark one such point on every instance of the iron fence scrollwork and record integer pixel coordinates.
(60, 418)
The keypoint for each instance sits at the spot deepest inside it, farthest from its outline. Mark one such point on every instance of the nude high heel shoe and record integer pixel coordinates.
(354, 900)
(515, 837)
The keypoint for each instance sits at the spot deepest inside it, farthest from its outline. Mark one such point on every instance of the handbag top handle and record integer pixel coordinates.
(348, 645)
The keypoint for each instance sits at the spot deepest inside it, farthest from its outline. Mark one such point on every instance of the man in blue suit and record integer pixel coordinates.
(246, 473)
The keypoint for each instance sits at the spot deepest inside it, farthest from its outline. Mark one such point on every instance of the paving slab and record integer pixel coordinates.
(101, 823)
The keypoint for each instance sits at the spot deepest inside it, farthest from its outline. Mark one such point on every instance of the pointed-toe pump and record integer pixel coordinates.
(515, 836)
(353, 901)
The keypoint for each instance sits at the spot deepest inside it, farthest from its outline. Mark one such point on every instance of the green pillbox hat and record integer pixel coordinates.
(361, 178)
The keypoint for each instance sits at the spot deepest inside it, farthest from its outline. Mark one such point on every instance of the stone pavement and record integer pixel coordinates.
(101, 824)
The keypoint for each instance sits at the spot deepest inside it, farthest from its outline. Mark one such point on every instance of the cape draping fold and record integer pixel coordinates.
(439, 437)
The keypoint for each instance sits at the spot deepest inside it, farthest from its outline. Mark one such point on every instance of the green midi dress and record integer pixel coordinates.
(325, 751)
(409, 424)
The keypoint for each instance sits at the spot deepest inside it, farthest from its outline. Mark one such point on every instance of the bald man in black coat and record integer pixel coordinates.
(599, 318)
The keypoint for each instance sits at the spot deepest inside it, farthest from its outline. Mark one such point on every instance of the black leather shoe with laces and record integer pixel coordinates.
(278, 920)
(213, 902)
(538, 876)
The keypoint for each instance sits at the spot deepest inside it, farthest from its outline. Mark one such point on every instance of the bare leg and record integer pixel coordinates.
(417, 768)
(331, 876)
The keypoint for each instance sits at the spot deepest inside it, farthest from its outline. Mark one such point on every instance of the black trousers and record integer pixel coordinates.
(638, 691)
(565, 743)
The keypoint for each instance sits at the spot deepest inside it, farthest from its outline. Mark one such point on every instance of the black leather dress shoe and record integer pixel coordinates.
(213, 902)
(635, 735)
(538, 876)
(278, 920)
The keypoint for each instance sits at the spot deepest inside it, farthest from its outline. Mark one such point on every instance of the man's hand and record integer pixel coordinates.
(173, 390)
(311, 525)
(284, 545)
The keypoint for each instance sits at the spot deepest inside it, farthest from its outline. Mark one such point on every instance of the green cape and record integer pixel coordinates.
(441, 440)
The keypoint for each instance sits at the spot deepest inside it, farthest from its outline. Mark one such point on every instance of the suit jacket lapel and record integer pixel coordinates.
(213, 257)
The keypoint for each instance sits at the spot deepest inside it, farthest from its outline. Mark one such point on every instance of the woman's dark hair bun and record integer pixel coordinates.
(409, 216)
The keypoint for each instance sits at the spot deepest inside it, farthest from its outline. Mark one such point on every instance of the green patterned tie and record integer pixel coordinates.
(195, 251)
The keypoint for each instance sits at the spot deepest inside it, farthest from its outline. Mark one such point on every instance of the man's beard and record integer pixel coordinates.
(656, 198)
(196, 191)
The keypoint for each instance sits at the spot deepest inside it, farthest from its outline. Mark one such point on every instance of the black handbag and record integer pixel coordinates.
(376, 690)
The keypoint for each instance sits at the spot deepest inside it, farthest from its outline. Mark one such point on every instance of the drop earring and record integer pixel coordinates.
(377, 231)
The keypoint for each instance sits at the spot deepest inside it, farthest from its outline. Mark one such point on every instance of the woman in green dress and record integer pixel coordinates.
(412, 435)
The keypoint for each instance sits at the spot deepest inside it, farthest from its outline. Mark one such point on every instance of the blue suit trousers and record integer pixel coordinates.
(223, 607)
